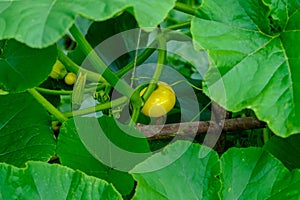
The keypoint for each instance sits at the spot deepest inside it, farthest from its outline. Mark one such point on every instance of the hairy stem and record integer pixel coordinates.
(159, 68)
(60, 116)
(266, 135)
(154, 80)
(152, 47)
(134, 116)
(68, 92)
(141, 58)
(179, 26)
(117, 102)
(99, 65)
(186, 9)
(73, 67)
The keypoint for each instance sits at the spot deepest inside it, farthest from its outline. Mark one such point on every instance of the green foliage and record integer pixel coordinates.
(191, 171)
(285, 149)
(48, 21)
(254, 174)
(242, 54)
(73, 153)
(253, 65)
(22, 67)
(181, 171)
(40, 180)
(24, 136)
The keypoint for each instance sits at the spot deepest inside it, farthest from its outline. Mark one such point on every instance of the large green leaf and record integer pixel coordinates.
(190, 176)
(287, 150)
(254, 174)
(150, 14)
(22, 67)
(40, 180)
(25, 130)
(254, 49)
(74, 149)
(42, 23)
(117, 145)
(73, 153)
(184, 170)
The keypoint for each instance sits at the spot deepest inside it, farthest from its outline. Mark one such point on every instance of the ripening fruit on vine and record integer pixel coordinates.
(160, 102)
(58, 70)
(70, 78)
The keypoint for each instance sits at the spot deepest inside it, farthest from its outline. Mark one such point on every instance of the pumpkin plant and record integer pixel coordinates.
(111, 99)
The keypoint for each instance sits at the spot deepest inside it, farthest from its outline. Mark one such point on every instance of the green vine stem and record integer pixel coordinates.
(152, 47)
(159, 67)
(172, 20)
(100, 66)
(117, 102)
(69, 92)
(266, 135)
(92, 76)
(135, 115)
(177, 36)
(190, 2)
(140, 59)
(179, 25)
(186, 9)
(60, 116)
(73, 67)
(113, 78)
(153, 82)
(53, 92)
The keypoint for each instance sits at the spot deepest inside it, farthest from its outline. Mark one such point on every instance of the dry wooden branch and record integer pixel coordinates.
(189, 129)
(216, 138)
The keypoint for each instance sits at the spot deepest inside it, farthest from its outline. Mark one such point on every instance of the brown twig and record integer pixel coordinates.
(216, 138)
(189, 129)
